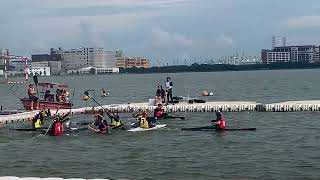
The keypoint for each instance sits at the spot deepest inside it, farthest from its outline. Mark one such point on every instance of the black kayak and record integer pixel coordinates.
(44, 129)
(28, 129)
(154, 119)
(210, 128)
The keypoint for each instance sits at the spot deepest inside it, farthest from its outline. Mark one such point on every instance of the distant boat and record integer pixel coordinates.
(26, 102)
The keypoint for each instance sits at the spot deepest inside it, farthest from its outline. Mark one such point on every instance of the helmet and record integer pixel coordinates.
(145, 113)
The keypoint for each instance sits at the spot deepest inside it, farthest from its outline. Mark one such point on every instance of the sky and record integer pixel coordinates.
(162, 30)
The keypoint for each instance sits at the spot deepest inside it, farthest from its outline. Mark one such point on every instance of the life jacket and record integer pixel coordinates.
(37, 124)
(143, 123)
(115, 122)
(222, 124)
(159, 112)
(98, 120)
(139, 117)
(58, 129)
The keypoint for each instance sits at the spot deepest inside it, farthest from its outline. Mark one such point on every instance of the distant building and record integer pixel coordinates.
(279, 41)
(75, 59)
(4, 52)
(94, 70)
(295, 54)
(19, 63)
(40, 64)
(130, 62)
(278, 57)
(119, 53)
(42, 71)
(264, 55)
(52, 60)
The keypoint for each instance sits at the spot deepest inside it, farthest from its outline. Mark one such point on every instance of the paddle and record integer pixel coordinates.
(71, 101)
(87, 94)
(174, 117)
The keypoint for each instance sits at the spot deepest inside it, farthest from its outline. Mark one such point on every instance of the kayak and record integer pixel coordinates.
(45, 128)
(93, 128)
(26, 129)
(154, 119)
(137, 129)
(210, 128)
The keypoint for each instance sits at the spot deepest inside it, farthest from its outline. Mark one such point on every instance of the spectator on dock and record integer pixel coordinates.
(48, 96)
(59, 95)
(160, 94)
(169, 86)
(32, 96)
(65, 95)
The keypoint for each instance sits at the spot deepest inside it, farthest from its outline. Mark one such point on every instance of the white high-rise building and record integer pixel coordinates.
(74, 59)
(279, 41)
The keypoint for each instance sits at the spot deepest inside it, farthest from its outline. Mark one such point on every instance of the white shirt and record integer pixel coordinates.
(168, 86)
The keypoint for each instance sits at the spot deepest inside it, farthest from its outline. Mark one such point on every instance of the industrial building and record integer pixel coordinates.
(130, 62)
(292, 54)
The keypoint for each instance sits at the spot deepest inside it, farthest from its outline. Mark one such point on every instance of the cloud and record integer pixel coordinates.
(224, 41)
(304, 22)
(165, 39)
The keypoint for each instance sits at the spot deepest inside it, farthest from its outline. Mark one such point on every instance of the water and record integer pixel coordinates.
(285, 145)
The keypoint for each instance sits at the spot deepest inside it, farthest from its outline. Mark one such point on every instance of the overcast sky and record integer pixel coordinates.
(163, 29)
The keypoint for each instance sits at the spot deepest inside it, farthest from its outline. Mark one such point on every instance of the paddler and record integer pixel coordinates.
(98, 118)
(220, 122)
(115, 119)
(104, 127)
(37, 121)
(159, 112)
(56, 128)
(142, 120)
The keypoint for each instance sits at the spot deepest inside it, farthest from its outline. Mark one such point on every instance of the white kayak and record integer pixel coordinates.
(159, 126)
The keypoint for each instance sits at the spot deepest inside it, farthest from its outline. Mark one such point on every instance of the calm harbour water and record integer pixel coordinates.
(285, 145)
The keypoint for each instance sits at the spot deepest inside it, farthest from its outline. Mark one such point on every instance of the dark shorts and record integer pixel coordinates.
(33, 98)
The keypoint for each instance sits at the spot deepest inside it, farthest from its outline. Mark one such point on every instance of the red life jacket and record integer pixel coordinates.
(158, 113)
(222, 124)
(58, 129)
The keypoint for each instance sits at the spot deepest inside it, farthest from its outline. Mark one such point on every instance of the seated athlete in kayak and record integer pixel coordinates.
(115, 119)
(159, 112)
(143, 121)
(220, 122)
(98, 118)
(37, 121)
(104, 127)
(57, 127)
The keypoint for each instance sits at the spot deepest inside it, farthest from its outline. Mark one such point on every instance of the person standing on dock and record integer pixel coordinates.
(160, 95)
(32, 96)
(169, 86)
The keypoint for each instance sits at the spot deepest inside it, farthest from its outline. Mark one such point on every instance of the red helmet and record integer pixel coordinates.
(145, 113)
